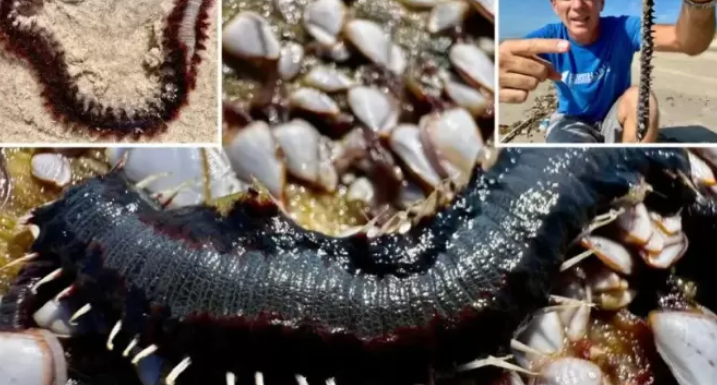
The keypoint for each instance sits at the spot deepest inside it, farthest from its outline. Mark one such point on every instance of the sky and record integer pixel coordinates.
(519, 17)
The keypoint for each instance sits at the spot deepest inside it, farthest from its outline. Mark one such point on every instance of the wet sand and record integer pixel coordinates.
(111, 48)
(686, 90)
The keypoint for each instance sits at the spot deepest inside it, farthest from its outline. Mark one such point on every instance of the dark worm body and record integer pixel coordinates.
(251, 291)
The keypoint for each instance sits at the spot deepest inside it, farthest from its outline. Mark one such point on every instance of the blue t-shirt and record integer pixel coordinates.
(594, 76)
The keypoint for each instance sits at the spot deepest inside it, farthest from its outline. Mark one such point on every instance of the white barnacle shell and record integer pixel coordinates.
(376, 44)
(361, 190)
(485, 8)
(687, 342)
(52, 168)
(339, 52)
(249, 36)
(456, 140)
(323, 19)
(486, 44)
(614, 254)
(253, 154)
(447, 15)
(377, 110)
(474, 65)
(545, 334)
(701, 172)
(55, 316)
(327, 79)
(570, 371)
(315, 101)
(411, 195)
(299, 142)
(199, 174)
(290, 61)
(34, 356)
(328, 174)
(466, 96)
(636, 225)
(406, 142)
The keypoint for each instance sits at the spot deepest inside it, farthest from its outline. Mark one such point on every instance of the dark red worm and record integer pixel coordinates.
(63, 98)
(250, 291)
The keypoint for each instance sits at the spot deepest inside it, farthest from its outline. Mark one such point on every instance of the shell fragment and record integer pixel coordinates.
(52, 168)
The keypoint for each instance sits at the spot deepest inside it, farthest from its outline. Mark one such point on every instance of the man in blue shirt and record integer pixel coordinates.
(589, 58)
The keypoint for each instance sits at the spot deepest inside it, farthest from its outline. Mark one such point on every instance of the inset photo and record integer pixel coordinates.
(109, 71)
(387, 99)
(600, 71)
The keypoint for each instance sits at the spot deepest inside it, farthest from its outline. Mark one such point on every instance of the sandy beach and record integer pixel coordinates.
(113, 52)
(686, 90)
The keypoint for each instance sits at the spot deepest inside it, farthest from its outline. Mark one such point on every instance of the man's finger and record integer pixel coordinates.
(509, 95)
(534, 66)
(518, 81)
(536, 46)
(552, 73)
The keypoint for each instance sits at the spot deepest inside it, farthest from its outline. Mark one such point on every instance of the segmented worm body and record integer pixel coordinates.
(249, 291)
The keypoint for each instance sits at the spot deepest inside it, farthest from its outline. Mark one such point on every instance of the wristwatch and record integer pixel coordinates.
(701, 5)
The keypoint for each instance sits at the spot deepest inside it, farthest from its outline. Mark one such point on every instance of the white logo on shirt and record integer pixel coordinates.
(586, 77)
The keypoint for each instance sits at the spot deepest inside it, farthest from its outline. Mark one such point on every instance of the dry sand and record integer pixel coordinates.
(686, 90)
(109, 45)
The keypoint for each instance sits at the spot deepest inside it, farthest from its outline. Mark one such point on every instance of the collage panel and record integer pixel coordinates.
(593, 72)
(140, 71)
(358, 216)
(112, 276)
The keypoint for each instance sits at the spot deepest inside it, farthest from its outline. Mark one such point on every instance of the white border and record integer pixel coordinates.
(62, 145)
(645, 146)
(496, 75)
(220, 74)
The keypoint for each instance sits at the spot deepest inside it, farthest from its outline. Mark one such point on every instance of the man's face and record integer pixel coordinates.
(581, 17)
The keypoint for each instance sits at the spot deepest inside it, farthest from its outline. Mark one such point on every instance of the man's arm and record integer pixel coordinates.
(692, 34)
